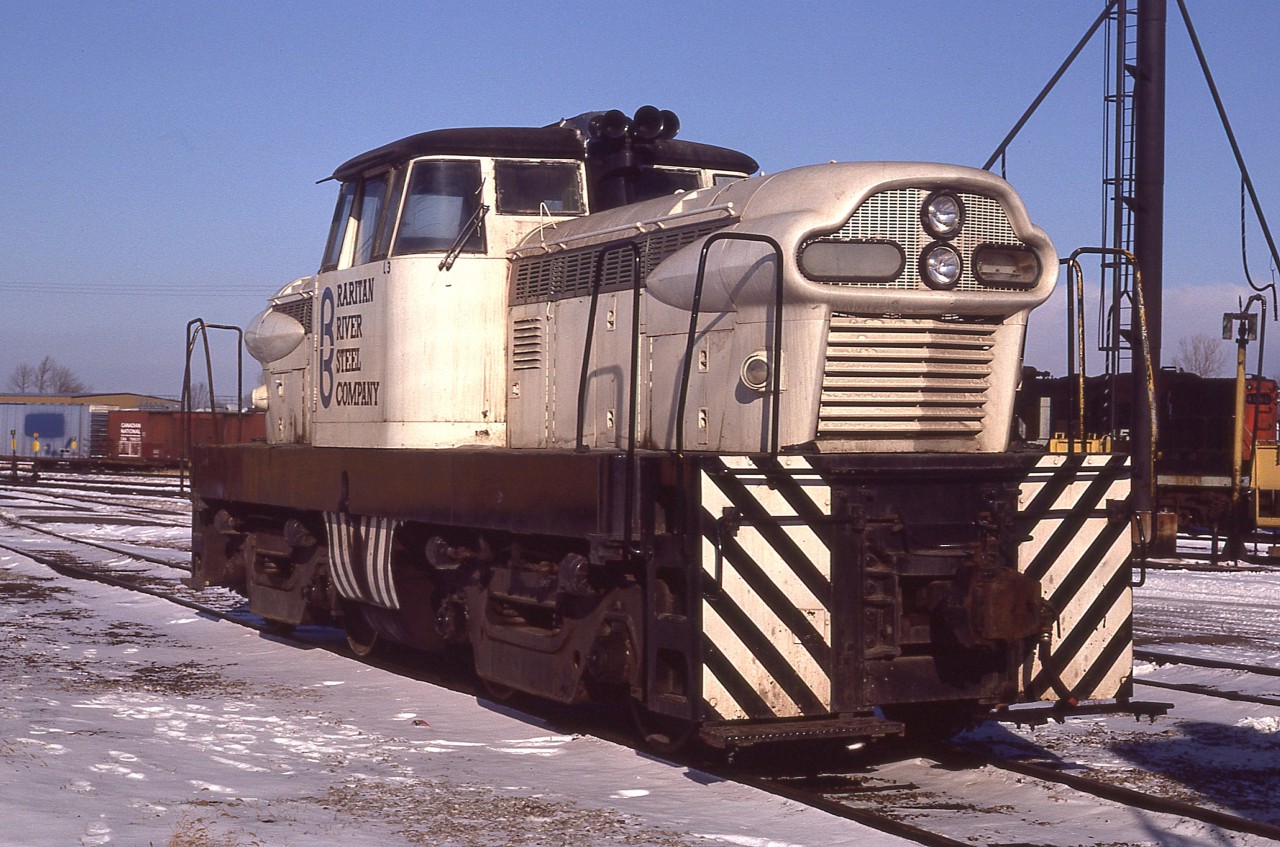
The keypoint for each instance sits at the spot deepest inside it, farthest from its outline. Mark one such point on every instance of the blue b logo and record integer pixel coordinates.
(327, 309)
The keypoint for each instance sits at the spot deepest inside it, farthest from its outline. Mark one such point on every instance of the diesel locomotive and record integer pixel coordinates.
(618, 419)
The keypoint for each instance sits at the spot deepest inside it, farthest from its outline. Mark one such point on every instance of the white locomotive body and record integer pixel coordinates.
(629, 423)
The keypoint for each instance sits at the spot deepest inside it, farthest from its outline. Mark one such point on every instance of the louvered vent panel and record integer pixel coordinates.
(575, 274)
(299, 310)
(895, 216)
(527, 349)
(561, 275)
(905, 378)
(535, 280)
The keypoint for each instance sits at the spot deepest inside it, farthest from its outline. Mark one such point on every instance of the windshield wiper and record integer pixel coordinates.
(470, 229)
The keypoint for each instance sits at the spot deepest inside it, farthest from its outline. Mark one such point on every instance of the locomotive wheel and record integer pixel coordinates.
(662, 734)
(280, 628)
(496, 691)
(362, 638)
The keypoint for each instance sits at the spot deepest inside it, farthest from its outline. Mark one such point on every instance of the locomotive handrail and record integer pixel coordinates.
(1144, 339)
(775, 369)
(633, 413)
(1075, 319)
(199, 328)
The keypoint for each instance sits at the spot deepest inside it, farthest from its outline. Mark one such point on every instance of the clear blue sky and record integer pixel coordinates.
(161, 158)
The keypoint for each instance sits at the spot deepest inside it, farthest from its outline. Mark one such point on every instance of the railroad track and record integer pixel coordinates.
(1244, 670)
(921, 798)
(128, 505)
(132, 569)
(932, 797)
(139, 485)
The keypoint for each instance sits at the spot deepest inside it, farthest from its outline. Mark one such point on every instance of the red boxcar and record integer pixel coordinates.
(157, 436)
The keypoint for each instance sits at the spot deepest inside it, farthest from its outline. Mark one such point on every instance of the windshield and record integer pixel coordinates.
(443, 197)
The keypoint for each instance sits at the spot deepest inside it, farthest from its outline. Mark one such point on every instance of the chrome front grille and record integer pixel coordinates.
(895, 216)
(905, 378)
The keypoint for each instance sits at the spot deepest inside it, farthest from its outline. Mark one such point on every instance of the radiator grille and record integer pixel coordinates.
(905, 378)
(568, 274)
(895, 216)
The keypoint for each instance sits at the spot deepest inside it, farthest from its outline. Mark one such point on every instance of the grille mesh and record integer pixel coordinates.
(895, 216)
(905, 378)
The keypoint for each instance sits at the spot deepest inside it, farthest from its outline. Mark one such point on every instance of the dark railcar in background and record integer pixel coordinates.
(1196, 417)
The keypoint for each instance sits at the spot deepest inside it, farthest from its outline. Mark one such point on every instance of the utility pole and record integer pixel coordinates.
(1148, 236)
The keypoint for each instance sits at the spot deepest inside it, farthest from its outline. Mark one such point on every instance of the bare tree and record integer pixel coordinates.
(1203, 355)
(47, 377)
(200, 401)
(22, 380)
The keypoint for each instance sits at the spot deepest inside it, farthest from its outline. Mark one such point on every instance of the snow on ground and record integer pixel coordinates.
(1216, 752)
(127, 720)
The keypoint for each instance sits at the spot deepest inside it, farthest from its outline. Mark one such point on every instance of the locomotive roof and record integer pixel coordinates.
(551, 142)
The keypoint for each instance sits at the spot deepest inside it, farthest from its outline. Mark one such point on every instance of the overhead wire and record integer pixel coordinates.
(1245, 180)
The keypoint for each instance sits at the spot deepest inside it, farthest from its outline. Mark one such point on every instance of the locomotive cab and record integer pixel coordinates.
(406, 317)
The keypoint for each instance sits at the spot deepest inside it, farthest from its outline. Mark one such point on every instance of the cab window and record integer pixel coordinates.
(534, 188)
(442, 200)
(660, 182)
(338, 231)
(373, 198)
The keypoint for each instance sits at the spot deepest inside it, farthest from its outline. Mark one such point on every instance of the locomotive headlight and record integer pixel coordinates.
(942, 214)
(1000, 264)
(941, 266)
(755, 371)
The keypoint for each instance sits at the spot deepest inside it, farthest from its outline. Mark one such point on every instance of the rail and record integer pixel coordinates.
(198, 329)
(1073, 270)
(775, 369)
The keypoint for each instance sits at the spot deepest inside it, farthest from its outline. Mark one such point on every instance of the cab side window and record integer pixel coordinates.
(442, 201)
(662, 182)
(373, 197)
(534, 188)
(360, 223)
(338, 230)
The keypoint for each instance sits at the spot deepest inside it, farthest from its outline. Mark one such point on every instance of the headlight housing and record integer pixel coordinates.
(852, 261)
(941, 266)
(1006, 265)
(942, 214)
